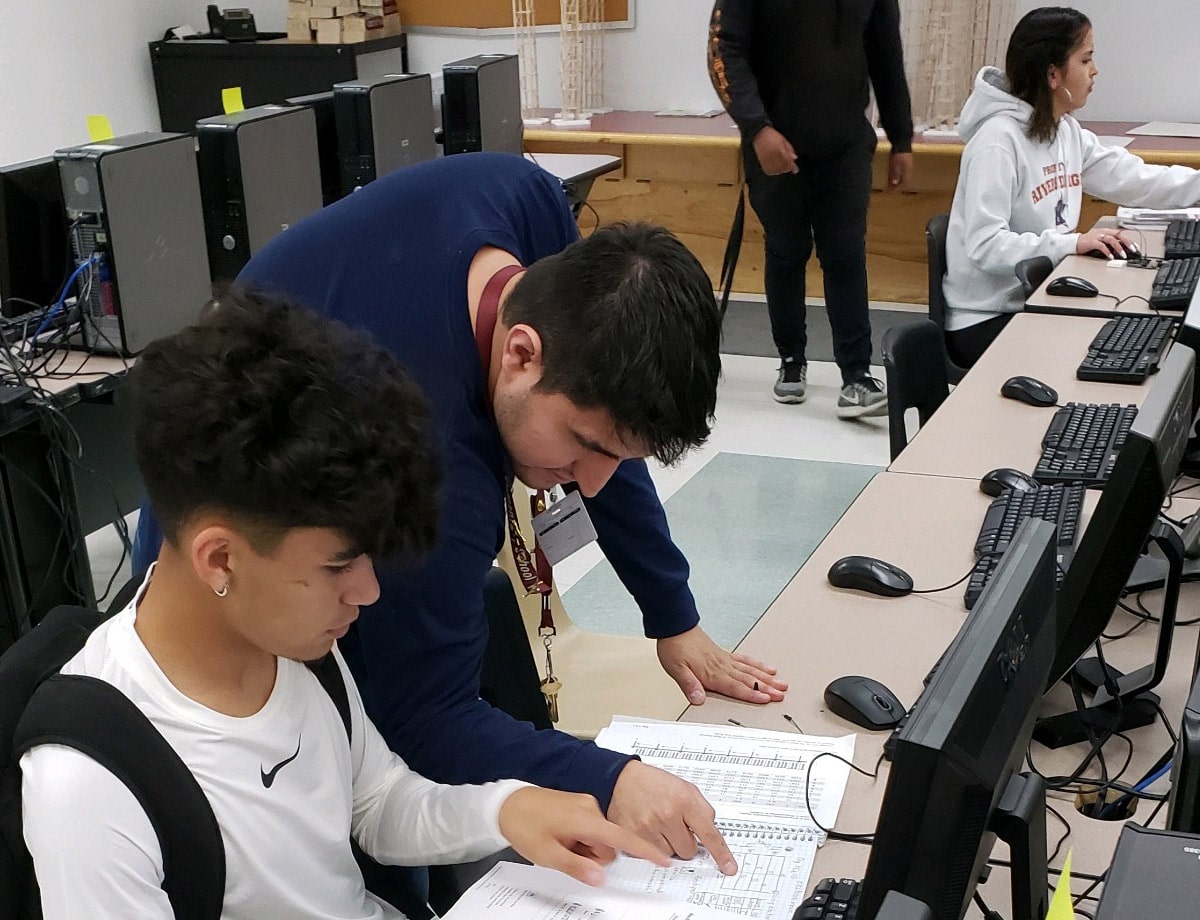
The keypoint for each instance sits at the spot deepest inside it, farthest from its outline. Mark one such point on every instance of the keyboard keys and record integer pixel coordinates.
(1174, 284)
(1126, 350)
(1082, 442)
(1182, 239)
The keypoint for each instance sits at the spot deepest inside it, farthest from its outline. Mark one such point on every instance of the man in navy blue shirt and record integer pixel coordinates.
(605, 351)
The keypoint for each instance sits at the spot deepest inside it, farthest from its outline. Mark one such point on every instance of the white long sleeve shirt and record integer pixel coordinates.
(285, 822)
(1017, 198)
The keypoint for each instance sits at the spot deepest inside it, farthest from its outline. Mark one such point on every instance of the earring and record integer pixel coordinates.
(223, 591)
(1070, 98)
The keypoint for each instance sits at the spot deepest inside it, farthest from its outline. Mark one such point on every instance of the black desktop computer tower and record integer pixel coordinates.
(133, 206)
(327, 142)
(260, 172)
(481, 105)
(383, 125)
(33, 236)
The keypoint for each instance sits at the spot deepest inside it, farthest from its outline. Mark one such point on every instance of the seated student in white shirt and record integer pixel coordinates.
(1025, 167)
(281, 453)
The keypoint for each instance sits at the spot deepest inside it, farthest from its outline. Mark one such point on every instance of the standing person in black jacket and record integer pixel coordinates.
(794, 77)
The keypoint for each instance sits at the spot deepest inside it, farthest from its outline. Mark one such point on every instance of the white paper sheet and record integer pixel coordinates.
(739, 768)
(1115, 140)
(1167, 129)
(511, 891)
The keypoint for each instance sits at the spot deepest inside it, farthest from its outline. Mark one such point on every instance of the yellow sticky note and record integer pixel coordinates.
(1060, 905)
(99, 129)
(231, 99)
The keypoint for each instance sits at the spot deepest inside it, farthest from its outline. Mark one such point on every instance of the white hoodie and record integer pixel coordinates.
(1018, 198)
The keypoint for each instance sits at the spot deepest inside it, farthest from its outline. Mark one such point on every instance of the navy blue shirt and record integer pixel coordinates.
(392, 259)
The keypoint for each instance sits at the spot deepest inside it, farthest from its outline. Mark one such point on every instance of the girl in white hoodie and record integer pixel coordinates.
(1025, 167)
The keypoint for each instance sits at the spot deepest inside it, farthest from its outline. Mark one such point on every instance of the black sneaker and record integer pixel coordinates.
(864, 398)
(793, 381)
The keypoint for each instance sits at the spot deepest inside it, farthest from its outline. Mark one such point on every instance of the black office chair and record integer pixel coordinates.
(914, 356)
(1032, 272)
(935, 245)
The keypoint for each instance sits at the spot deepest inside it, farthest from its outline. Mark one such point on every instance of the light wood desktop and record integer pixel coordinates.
(977, 429)
(1116, 281)
(926, 525)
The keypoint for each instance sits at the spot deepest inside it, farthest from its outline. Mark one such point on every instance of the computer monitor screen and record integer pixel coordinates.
(1126, 511)
(966, 738)
(1183, 810)
(33, 236)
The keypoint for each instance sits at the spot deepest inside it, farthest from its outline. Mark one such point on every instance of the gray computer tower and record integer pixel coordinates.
(383, 125)
(133, 203)
(260, 172)
(481, 104)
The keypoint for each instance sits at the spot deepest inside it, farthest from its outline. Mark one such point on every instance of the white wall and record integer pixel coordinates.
(90, 56)
(64, 61)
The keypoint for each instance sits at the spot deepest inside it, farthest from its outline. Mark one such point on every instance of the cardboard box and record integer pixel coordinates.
(360, 27)
(299, 30)
(329, 31)
(391, 24)
(347, 8)
(319, 13)
(381, 7)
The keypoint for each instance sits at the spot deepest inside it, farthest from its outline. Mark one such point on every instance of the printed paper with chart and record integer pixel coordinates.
(756, 780)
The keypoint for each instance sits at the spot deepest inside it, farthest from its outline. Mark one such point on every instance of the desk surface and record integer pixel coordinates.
(574, 167)
(815, 633)
(634, 127)
(1116, 281)
(79, 367)
(977, 429)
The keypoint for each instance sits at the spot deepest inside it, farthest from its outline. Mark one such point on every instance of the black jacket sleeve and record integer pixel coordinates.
(729, 67)
(885, 62)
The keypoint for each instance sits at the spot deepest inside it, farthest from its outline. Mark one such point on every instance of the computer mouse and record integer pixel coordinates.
(865, 573)
(1131, 252)
(1070, 286)
(1029, 390)
(865, 702)
(996, 481)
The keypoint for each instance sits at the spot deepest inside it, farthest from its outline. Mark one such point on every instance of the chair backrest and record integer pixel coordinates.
(935, 246)
(914, 356)
(1032, 272)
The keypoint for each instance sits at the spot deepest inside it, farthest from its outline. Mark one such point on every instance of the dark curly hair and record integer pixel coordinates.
(282, 418)
(628, 323)
(1044, 37)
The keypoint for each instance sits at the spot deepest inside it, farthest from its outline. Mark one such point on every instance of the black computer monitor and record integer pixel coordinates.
(1188, 334)
(1183, 810)
(33, 235)
(1125, 515)
(954, 769)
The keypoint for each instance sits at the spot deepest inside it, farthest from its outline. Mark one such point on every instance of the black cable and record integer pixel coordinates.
(830, 832)
(970, 572)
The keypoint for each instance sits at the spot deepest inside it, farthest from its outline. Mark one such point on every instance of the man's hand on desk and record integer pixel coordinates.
(775, 153)
(900, 167)
(698, 664)
(662, 808)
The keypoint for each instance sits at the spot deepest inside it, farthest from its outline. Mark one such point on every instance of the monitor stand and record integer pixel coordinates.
(1020, 821)
(1121, 702)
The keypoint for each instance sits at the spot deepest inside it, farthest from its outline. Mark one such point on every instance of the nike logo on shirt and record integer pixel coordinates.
(268, 776)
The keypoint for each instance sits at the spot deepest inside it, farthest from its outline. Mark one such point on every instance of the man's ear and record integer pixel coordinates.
(213, 553)
(522, 350)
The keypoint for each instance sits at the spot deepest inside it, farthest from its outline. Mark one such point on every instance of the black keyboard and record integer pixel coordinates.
(1059, 504)
(832, 899)
(1174, 284)
(1082, 443)
(1183, 239)
(1126, 350)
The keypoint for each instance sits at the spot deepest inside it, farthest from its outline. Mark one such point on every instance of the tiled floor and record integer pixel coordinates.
(748, 421)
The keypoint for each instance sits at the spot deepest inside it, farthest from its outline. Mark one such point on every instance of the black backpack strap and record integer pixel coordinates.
(330, 677)
(95, 718)
(733, 248)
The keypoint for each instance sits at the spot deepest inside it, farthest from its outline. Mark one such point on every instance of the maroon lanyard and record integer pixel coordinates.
(533, 569)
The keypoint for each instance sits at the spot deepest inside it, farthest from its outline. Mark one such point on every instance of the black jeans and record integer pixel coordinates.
(965, 346)
(825, 202)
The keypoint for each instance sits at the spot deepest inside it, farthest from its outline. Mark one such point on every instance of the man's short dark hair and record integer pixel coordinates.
(628, 323)
(282, 418)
